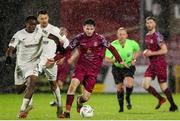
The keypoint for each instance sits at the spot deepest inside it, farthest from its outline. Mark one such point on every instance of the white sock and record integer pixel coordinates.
(58, 96)
(31, 101)
(24, 104)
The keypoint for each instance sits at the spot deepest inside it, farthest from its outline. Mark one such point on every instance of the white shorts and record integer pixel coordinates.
(51, 73)
(24, 71)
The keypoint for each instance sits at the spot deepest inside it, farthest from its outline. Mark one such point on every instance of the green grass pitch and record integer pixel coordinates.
(105, 108)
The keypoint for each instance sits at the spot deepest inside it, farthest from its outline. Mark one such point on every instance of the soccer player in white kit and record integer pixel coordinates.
(47, 63)
(28, 43)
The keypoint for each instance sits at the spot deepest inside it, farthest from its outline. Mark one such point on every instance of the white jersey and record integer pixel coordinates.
(29, 46)
(49, 46)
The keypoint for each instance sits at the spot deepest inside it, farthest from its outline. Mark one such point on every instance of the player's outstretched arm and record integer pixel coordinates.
(55, 38)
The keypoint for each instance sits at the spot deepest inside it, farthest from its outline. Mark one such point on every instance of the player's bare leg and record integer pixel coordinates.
(27, 100)
(129, 88)
(20, 88)
(167, 92)
(60, 85)
(120, 96)
(82, 99)
(147, 86)
(70, 97)
(56, 91)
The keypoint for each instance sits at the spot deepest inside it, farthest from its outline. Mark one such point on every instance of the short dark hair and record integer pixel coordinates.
(30, 18)
(151, 18)
(89, 21)
(42, 12)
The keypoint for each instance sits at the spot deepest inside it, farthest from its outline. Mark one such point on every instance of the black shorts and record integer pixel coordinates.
(120, 73)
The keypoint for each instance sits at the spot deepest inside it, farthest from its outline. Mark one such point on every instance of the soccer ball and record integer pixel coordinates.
(86, 111)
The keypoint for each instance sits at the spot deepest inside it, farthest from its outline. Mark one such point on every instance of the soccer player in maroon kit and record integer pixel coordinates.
(92, 49)
(156, 50)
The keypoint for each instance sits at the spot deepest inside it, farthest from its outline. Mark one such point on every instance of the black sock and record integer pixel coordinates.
(168, 94)
(120, 97)
(128, 93)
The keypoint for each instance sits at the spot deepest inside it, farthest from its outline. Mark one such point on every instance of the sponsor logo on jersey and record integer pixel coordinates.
(44, 31)
(151, 41)
(45, 42)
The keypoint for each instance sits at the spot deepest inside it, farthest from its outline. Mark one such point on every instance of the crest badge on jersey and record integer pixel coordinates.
(95, 43)
(151, 41)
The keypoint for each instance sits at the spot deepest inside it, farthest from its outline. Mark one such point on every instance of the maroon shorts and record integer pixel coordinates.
(87, 79)
(159, 69)
(63, 71)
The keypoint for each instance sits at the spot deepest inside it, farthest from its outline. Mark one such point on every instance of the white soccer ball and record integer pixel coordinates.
(86, 111)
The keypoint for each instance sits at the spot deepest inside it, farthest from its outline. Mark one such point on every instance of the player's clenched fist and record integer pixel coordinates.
(63, 31)
(147, 53)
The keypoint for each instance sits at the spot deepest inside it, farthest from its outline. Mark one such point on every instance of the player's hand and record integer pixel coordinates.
(8, 60)
(50, 63)
(70, 61)
(63, 31)
(133, 62)
(147, 53)
(60, 61)
(124, 64)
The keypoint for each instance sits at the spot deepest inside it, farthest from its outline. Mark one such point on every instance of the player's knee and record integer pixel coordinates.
(145, 85)
(74, 84)
(86, 97)
(129, 85)
(120, 89)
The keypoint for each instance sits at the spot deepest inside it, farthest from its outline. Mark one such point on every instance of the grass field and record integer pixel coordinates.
(105, 106)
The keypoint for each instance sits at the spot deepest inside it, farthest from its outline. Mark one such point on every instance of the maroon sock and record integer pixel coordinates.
(168, 94)
(154, 92)
(69, 101)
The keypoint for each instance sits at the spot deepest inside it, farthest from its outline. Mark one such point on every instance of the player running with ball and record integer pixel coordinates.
(156, 51)
(91, 48)
(129, 51)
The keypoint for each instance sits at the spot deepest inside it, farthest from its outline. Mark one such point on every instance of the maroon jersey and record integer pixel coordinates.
(153, 42)
(157, 66)
(91, 50)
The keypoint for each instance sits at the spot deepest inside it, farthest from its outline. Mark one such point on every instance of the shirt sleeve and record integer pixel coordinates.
(160, 39)
(75, 42)
(136, 47)
(108, 54)
(105, 42)
(14, 41)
